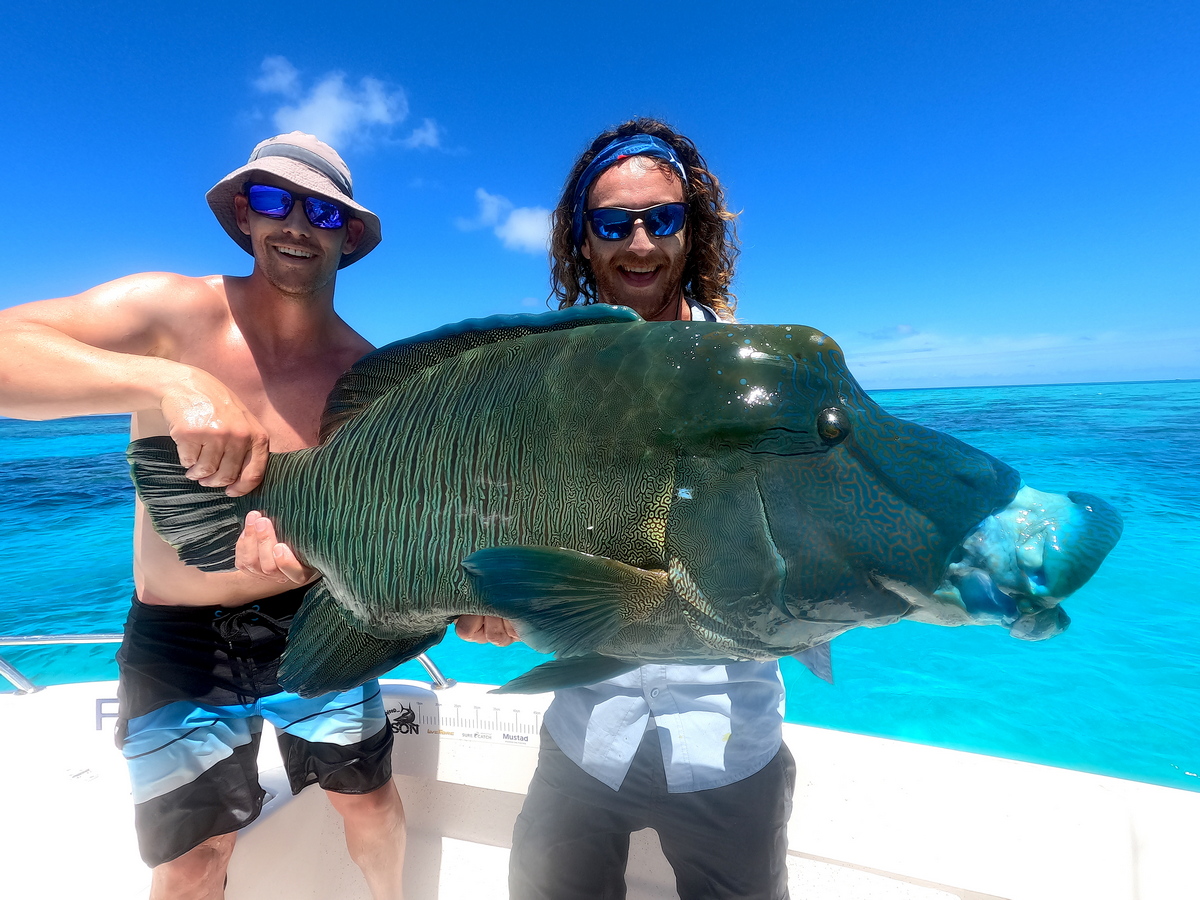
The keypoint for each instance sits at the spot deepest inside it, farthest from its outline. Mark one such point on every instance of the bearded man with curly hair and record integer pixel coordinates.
(694, 752)
(702, 254)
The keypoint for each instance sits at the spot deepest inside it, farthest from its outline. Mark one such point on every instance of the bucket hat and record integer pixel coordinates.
(311, 167)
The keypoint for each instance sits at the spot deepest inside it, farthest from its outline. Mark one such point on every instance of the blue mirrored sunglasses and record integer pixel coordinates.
(277, 203)
(612, 223)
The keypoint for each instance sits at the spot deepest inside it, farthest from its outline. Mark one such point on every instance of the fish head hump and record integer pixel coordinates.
(801, 508)
(800, 504)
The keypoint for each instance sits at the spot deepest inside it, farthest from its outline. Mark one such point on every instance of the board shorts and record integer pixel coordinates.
(195, 685)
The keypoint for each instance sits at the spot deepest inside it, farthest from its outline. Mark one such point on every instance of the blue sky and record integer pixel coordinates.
(958, 192)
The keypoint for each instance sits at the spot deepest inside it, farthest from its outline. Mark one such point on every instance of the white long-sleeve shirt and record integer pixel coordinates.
(717, 724)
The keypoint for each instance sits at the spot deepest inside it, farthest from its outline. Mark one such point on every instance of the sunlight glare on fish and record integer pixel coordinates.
(757, 396)
(751, 353)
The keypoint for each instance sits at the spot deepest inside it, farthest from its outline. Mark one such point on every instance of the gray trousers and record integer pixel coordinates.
(571, 841)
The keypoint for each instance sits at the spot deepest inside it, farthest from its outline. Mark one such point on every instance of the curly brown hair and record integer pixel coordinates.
(709, 268)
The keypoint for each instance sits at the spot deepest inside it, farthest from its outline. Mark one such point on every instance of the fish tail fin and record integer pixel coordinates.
(201, 523)
(327, 652)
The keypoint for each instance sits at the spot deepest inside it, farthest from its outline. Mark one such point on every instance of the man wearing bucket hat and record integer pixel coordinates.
(694, 752)
(305, 163)
(229, 367)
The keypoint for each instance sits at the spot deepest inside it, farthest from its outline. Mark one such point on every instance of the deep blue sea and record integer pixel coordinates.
(1118, 693)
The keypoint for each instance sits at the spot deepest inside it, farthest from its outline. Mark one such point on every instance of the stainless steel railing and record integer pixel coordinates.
(438, 680)
(23, 685)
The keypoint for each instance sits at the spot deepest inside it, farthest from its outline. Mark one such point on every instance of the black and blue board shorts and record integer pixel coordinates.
(196, 684)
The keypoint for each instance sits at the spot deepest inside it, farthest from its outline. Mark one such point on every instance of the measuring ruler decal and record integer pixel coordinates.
(464, 720)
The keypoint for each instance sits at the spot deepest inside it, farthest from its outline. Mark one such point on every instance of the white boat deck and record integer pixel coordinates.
(874, 819)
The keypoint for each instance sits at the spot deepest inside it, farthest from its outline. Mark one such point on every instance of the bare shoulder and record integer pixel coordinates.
(135, 314)
(144, 287)
(164, 293)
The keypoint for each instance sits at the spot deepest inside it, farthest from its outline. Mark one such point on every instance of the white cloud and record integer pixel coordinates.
(338, 111)
(492, 208)
(279, 77)
(427, 134)
(523, 228)
(527, 228)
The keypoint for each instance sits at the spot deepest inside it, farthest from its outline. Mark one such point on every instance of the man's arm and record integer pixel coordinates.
(114, 349)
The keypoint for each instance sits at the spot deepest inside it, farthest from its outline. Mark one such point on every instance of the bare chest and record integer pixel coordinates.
(285, 390)
(286, 395)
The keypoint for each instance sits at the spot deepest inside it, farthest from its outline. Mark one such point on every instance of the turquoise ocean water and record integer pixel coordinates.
(1117, 694)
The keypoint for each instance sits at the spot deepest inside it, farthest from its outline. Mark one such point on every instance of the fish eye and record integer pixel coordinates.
(833, 425)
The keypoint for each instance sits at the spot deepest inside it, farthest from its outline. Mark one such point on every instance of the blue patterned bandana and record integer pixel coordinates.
(619, 149)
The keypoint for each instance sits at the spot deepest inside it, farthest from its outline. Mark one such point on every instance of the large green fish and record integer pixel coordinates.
(630, 492)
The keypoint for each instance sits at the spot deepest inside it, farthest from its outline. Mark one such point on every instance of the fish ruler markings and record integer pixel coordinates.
(467, 721)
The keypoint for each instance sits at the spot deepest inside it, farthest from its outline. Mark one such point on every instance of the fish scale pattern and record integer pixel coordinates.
(953, 484)
(481, 453)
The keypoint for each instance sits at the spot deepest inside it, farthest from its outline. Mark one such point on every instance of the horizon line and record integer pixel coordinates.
(975, 387)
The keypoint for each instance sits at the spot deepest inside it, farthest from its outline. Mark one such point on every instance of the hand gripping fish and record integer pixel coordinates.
(631, 492)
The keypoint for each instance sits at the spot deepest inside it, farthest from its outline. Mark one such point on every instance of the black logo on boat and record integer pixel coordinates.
(405, 721)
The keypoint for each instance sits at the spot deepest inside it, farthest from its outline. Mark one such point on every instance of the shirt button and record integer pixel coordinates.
(654, 693)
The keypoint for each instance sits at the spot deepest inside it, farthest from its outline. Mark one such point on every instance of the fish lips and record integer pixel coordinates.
(1027, 617)
(1016, 567)
(1043, 545)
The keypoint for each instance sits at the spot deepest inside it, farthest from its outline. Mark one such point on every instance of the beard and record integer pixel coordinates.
(662, 303)
(294, 280)
(295, 284)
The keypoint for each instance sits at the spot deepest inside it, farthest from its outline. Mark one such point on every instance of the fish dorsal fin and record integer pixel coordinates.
(380, 371)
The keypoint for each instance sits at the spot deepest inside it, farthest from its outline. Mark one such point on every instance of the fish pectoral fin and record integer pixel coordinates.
(574, 671)
(326, 651)
(818, 660)
(568, 602)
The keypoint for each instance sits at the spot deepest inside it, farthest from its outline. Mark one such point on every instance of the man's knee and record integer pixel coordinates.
(196, 875)
(381, 805)
(375, 835)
